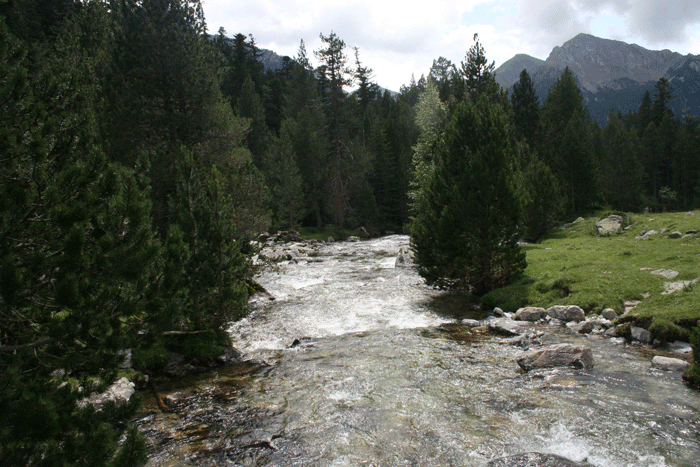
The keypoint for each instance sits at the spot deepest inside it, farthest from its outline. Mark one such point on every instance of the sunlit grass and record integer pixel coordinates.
(576, 266)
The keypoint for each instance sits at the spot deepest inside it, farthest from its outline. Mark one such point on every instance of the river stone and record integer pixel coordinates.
(591, 325)
(498, 312)
(560, 355)
(471, 323)
(507, 326)
(404, 259)
(566, 313)
(669, 364)
(530, 313)
(535, 459)
(640, 334)
(609, 314)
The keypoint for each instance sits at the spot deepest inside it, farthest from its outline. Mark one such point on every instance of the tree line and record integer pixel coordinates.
(142, 154)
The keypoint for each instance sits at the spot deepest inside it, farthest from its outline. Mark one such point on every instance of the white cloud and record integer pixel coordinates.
(397, 39)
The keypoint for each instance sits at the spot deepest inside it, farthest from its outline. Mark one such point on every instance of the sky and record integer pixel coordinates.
(398, 40)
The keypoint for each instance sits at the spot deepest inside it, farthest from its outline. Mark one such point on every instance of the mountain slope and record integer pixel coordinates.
(614, 74)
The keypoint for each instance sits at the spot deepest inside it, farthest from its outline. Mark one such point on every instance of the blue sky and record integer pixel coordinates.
(401, 39)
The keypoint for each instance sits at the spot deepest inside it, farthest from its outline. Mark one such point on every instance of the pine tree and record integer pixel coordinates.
(335, 75)
(526, 109)
(621, 171)
(567, 144)
(467, 224)
(78, 261)
(284, 180)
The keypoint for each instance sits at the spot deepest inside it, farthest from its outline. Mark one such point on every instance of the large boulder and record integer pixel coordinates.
(561, 355)
(535, 459)
(640, 335)
(404, 259)
(530, 313)
(507, 327)
(610, 225)
(119, 392)
(566, 313)
(669, 364)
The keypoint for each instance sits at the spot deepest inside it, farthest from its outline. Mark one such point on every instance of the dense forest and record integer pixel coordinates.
(142, 154)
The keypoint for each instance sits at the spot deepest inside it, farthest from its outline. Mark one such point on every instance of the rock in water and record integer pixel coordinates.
(530, 313)
(404, 259)
(669, 364)
(535, 459)
(561, 355)
(566, 313)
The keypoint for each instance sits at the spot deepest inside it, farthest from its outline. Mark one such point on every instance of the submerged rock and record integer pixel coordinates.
(530, 313)
(561, 355)
(669, 364)
(404, 259)
(508, 327)
(535, 459)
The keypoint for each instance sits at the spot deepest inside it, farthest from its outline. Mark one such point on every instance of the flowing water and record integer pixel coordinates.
(383, 374)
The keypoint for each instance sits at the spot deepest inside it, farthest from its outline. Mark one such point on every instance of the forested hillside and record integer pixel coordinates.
(141, 154)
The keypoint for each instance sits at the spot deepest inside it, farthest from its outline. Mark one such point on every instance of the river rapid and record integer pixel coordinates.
(366, 365)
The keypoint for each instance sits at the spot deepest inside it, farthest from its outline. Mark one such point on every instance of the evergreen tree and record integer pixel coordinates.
(78, 261)
(567, 144)
(526, 109)
(335, 75)
(541, 197)
(284, 180)
(478, 74)
(620, 169)
(467, 224)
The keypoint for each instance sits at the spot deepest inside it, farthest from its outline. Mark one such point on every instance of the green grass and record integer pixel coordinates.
(576, 266)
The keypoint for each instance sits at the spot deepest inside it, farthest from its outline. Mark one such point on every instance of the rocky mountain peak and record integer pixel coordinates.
(599, 62)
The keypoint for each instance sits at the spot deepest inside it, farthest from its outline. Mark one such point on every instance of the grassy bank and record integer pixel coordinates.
(576, 266)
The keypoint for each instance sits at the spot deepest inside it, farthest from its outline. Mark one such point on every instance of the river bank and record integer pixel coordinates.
(368, 366)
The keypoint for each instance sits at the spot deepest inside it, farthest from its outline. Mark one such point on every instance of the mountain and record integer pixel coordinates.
(509, 73)
(611, 74)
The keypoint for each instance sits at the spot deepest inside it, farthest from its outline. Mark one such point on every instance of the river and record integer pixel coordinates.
(383, 374)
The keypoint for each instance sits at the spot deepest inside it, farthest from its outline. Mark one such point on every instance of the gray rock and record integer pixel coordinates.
(404, 259)
(508, 327)
(609, 314)
(610, 225)
(669, 364)
(530, 313)
(681, 348)
(667, 273)
(562, 355)
(596, 325)
(566, 313)
(640, 334)
(535, 459)
(471, 323)
(353, 239)
(119, 392)
(645, 234)
(675, 234)
(330, 240)
(497, 311)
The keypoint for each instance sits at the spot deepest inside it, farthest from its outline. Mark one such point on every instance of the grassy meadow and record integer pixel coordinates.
(574, 265)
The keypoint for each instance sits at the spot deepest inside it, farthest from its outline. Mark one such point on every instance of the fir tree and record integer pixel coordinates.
(467, 225)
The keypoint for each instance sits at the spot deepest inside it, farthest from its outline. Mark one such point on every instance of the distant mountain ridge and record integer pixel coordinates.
(611, 74)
